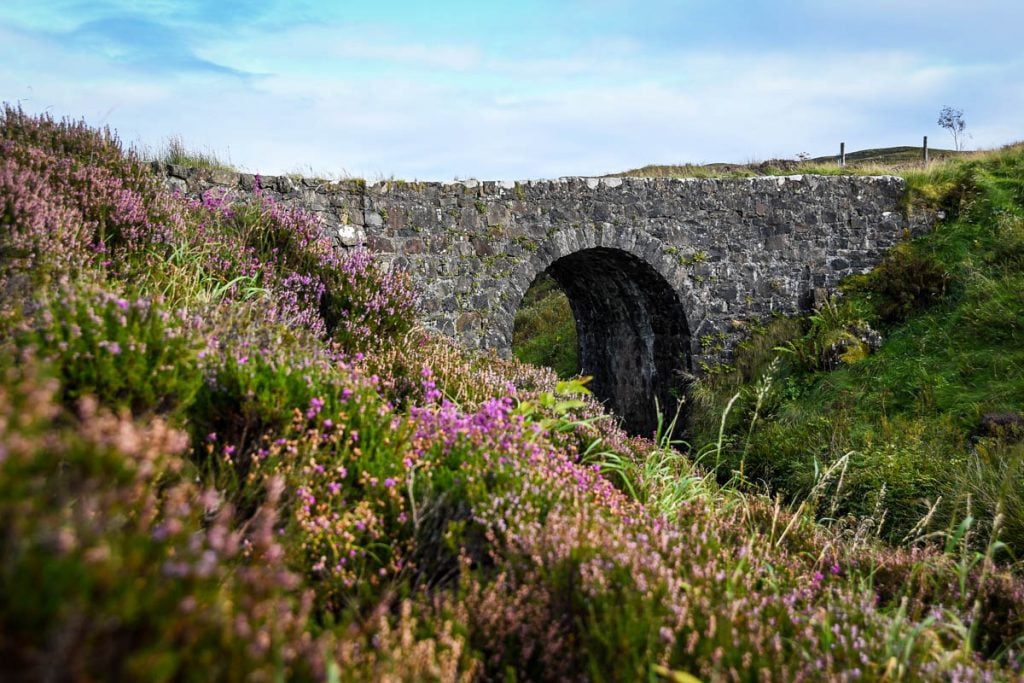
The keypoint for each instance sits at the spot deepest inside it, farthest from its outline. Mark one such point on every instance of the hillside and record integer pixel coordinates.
(867, 161)
(913, 378)
(227, 453)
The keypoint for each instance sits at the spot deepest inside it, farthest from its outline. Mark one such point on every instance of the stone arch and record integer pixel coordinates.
(632, 303)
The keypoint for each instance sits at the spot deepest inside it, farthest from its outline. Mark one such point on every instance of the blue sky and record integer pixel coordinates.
(531, 89)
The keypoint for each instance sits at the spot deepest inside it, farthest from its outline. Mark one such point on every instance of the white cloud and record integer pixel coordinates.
(356, 98)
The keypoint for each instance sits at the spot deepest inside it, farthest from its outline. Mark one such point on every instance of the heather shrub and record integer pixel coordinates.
(365, 305)
(408, 646)
(257, 372)
(943, 580)
(349, 296)
(250, 247)
(351, 521)
(226, 454)
(114, 566)
(73, 141)
(466, 378)
(126, 352)
(586, 598)
(291, 238)
(422, 367)
(108, 202)
(40, 235)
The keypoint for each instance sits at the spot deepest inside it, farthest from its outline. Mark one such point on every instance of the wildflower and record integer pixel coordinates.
(316, 404)
(112, 347)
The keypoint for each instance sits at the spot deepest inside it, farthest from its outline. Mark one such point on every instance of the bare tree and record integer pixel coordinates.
(953, 120)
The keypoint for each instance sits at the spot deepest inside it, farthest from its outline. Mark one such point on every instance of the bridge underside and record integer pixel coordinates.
(632, 331)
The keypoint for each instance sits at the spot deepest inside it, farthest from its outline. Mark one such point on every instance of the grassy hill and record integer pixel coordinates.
(227, 453)
(911, 421)
(868, 161)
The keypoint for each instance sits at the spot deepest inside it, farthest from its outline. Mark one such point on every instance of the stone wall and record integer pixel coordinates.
(714, 251)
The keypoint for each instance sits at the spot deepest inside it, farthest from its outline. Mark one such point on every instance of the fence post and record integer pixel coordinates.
(842, 154)
(925, 147)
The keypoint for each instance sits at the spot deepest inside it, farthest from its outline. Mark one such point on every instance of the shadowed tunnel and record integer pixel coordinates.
(632, 331)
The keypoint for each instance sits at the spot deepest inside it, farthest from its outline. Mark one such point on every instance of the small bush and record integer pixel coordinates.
(906, 282)
(349, 297)
(134, 571)
(256, 373)
(366, 306)
(111, 204)
(127, 353)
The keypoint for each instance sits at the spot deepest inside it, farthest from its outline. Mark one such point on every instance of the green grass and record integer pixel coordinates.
(176, 152)
(950, 308)
(545, 330)
(864, 162)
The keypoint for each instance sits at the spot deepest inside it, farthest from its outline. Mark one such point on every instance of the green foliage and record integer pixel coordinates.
(663, 479)
(753, 356)
(127, 353)
(953, 350)
(175, 151)
(907, 281)
(545, 329)
(559, 404)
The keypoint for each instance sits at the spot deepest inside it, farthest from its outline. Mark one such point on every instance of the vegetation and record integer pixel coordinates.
(175, 151)
(912, 420)
(952, 120)
(226, 454)
(879, 161)
(545, 329)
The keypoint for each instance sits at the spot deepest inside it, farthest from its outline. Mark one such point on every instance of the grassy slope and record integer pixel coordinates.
(868, 161)
(951, 309)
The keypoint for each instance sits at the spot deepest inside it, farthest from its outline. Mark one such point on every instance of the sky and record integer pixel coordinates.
(437, 90)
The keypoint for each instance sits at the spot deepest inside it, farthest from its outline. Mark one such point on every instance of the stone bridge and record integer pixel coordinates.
(660, 273)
